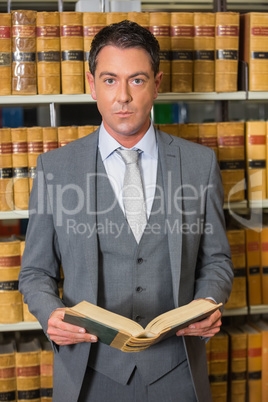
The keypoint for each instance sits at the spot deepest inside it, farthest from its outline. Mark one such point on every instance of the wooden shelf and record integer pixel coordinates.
(20, 326)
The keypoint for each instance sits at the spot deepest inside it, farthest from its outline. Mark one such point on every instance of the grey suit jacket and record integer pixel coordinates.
(61, 231)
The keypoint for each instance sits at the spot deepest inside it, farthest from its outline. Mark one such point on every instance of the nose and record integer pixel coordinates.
(123, 93)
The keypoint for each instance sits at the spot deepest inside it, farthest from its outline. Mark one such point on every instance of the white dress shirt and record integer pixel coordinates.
(115, 166)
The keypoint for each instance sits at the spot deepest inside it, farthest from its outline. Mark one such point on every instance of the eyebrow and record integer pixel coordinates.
(131, 76)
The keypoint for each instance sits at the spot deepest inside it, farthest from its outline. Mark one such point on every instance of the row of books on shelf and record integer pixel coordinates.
(237, 360)
(47, 52)
(26, 367)
(241, 149)
(12, 307)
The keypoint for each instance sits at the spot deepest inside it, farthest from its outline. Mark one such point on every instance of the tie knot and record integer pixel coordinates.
(129, 155)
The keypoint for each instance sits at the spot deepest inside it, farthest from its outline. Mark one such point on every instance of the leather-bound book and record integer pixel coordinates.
(20, 167)
(182, 46)
(6, 172)
(189, 131)
(28, 370)
(115, 17)
(208, 136)
(227, 45)
(67, 134)
(92, 24)
(82, 131)
(264, 264)
(5, 54)
(10, 297)
(253, 239)
(7, 371)
(237, 241)
(50, 138)
(170, 128)
(48, 53)
(24, 52)
(160, 28)
(231, 150)
(254, 49)
(35, 148)
(142, 18)
(204, 52)
(256, 159)
(72, 52)
(46, 371)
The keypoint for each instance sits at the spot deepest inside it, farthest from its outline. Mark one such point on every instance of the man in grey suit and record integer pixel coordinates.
(78, 219)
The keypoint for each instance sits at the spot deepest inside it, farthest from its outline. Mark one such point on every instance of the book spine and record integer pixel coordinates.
(5, 54)
(264, 264)
(24, 52)
(115, 17)
(238, 367)
(231, 151)
(6, 172)
(142, 18)
(46, 375)
(72, 52)
(48, 53)
(204, 52)
(28, 375)
(182, 46)
(92, 24)
(257, 31)
(50, 138)
(189, 132)
(207, 133)
(7, 376)
(66, 135)
(35, 148)
(237, 243)
(10, 298)
(226, 44)
(172, 129)
(160, 28)
(82, 131)
(254, 367)
(256, 159)
(219, 366)
(254, 266)
(20, 167)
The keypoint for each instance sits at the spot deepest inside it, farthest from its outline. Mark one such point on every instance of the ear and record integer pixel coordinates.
(90, 80)
(157, 81)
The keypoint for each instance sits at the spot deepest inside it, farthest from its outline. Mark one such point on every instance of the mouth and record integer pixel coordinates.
(123, 114)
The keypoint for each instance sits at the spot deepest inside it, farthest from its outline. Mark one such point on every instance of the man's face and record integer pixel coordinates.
(124, 87)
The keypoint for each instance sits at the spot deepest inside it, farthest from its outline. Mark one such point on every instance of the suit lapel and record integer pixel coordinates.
(170, 159)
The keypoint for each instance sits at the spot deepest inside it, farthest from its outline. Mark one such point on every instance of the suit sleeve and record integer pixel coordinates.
(214, 271)
(40, 269)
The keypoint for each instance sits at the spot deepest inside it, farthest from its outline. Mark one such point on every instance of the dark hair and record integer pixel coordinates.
(125, 34)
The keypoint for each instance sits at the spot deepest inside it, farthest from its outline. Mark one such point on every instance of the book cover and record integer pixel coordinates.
(48, 53)
(237, 241)
(172, 128)
(253, 239)
(24, 80)
(182, 46)
(204, 52)
(82, 131)
(67, 134)
(189, 131)
(264, 264)
(6, 172)
(256, 159)
(72, 52)
(35, 148)
(50, 138)
(46, 371)
(160, 28)
(5, 54)
(129, 336)
(262, 326)
(207, 133)
(226, 45)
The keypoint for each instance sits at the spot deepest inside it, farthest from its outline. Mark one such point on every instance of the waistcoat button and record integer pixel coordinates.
(140, 260)
(139, 289)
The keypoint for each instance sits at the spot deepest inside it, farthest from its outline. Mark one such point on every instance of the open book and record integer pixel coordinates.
(129, 336)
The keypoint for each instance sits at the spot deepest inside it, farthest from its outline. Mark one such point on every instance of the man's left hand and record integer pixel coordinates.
(205, 328)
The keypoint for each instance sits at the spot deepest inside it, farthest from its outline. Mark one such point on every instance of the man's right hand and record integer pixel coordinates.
(63, 333)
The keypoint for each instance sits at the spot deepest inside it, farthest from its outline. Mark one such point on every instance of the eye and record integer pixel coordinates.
(138, 81)
(109, 81)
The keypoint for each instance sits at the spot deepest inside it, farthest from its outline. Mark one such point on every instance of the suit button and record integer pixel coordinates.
(138, 318)
(139, 289)
(140, 260)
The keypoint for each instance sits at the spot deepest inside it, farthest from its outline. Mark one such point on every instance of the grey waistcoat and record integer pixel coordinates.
(134, 281)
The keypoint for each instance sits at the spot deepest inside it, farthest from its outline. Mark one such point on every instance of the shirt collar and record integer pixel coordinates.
(107, 144)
